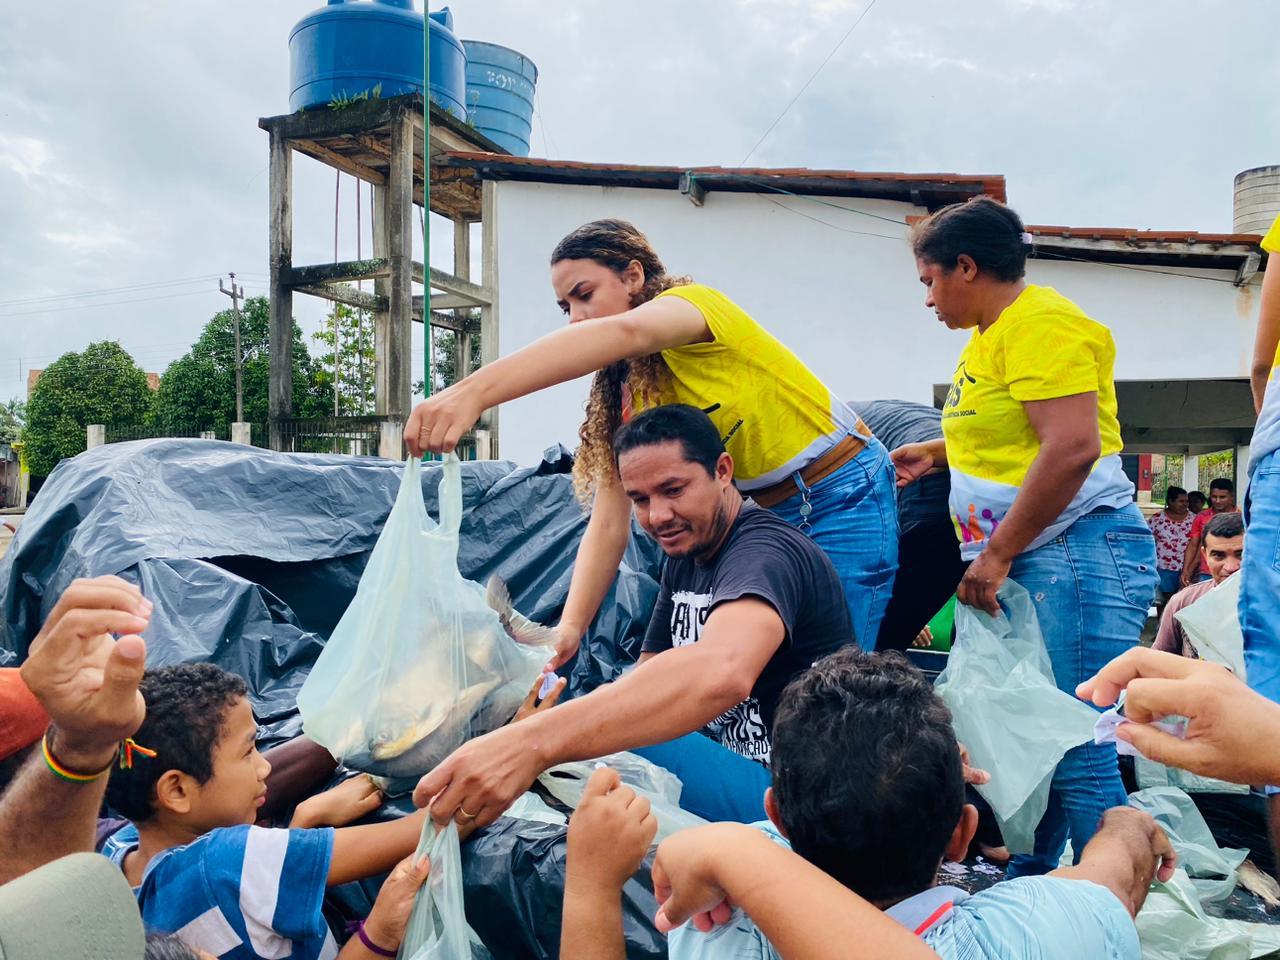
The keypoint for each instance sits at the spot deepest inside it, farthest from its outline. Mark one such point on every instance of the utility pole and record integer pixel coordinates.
(236, 293)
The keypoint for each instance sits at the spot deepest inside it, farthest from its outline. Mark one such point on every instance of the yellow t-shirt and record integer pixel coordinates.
(1266, 433)
(774, 414)
(1042, 347)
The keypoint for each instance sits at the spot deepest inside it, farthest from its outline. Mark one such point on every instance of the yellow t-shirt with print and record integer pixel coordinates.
(773, 412)
(1271, 244)
(1042, 347)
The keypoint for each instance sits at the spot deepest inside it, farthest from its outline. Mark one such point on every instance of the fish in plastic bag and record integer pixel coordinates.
(420, 662)
(1009, 713)
(438, 928)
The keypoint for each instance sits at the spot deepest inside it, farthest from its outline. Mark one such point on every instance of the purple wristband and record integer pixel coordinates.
(364, 938)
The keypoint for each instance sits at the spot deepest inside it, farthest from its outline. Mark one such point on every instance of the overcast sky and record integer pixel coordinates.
(131, 159)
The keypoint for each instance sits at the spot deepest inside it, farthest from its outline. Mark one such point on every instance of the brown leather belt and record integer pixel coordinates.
(819, 469)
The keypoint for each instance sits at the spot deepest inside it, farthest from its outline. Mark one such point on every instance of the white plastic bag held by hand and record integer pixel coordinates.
(1008, 711)
(438, 928)
(419, 662)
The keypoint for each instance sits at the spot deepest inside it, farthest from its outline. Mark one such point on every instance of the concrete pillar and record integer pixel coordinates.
(391, 440)
(1190, 472)
(208, 435)
(484, 445)
(242, 432)
(95, 435)
(1242, 471)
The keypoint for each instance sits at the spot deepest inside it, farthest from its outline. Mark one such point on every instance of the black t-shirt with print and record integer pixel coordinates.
(766, 558)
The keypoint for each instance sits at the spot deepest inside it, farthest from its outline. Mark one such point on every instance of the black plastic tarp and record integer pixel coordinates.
(250, 557)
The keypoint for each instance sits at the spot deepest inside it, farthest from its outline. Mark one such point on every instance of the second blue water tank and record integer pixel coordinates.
(349, 47)
(500, 88)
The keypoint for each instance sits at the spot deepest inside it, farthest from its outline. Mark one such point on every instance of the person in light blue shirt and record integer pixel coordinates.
(868, 786)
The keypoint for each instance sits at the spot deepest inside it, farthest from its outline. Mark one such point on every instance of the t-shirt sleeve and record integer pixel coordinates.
(1271, 242)
(1034, 916)
(1047, 357)
(657, 636)
(1167, 639)
(762, 566)
(729, 324)
(282, 881)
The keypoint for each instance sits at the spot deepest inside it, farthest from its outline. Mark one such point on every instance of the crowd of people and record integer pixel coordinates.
(830, 772)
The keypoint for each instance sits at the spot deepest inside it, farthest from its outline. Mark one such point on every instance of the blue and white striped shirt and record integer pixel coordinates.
(243, 893)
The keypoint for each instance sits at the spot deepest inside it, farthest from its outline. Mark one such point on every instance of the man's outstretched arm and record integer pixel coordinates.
(674, 693)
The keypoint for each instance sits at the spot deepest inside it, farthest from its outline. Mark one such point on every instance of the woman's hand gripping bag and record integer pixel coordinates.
(1007, 710)
(419, 662)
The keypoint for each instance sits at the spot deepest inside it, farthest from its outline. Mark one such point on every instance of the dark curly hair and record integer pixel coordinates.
(614, 244)
(980, 227)
(187, 706)
(866, 772)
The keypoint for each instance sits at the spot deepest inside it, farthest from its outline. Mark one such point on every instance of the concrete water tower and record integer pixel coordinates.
(1257, 199)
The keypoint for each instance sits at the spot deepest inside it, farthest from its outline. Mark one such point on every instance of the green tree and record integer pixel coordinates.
(198, 390)
(352, 331)
(445, 353)
(13, 415)
(100, 385)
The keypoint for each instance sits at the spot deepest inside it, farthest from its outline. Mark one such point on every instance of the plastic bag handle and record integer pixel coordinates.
(450, 496)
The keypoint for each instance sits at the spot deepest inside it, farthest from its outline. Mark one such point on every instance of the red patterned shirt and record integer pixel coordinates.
(1172, 536)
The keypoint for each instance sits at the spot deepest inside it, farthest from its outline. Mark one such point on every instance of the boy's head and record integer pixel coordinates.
(207, 771)
(867, 781)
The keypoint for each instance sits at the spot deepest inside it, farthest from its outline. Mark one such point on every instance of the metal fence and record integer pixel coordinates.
(1166, 471)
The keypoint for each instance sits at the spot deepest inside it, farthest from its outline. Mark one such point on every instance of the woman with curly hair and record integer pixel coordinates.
(652, 338)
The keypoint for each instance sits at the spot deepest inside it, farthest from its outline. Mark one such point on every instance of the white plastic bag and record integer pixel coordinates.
(1212, 625)
(1213, 868)
(1006, 709)
(419, 662)
(438, 928)
(1172, 925)
(568, 781)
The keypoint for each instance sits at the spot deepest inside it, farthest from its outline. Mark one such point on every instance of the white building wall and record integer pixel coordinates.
(837, 287)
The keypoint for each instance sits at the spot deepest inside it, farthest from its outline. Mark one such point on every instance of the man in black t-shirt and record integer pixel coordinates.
(746, 603)
(761, 558)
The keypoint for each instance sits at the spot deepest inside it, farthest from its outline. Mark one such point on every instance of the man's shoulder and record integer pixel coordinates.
(1188, 595)
(758, 527)
(1039, 917)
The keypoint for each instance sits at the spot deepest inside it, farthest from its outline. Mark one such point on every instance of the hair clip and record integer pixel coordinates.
(128, 748)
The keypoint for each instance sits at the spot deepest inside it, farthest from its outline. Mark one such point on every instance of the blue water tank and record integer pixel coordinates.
(349, 47)
(500, 87)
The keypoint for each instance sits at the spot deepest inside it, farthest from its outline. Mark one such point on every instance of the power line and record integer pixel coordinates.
(111, 303)
(801, 91)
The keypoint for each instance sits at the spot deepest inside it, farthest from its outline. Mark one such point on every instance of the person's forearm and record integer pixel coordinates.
(43, 817)
(1268, 336)
(373, 848)
(599, 557)
(299, 767)
(677, 692)
(804, 913)
(591, 925)
(1115, 859)
(1055, 477)
(1190, 559)
(938, 448)
(579, 349)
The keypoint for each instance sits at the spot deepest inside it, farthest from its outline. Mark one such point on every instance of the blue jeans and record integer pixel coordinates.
(1092, 587)
(854, 519)
(718, 783)
(1170, 582)
(1260, 583)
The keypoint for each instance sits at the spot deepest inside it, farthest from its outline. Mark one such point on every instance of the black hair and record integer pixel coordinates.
(167, 948)
(677, 422)
(1172, 494)
(187, 706)
(1222, 483)
(982, 228)
(1198, 493)
(866, 772)
(1224, 525)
